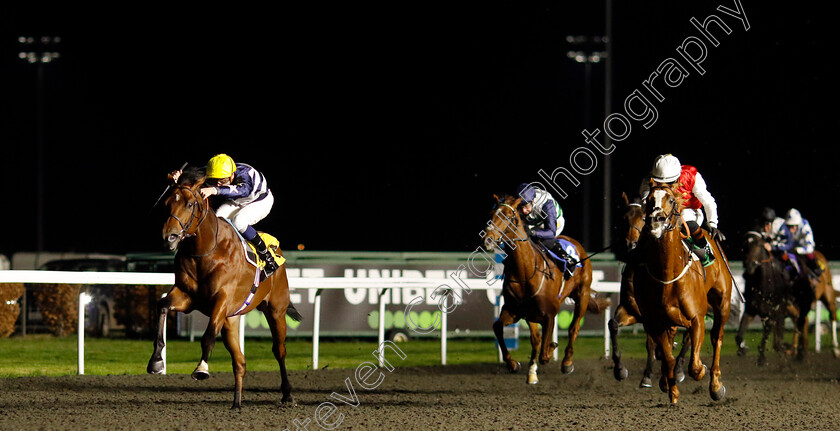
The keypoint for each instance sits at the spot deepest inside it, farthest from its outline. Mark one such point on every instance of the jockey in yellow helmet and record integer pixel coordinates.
(247, 199)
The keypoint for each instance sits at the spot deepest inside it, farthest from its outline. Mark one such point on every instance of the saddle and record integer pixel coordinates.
(250, 251)
(561, 262)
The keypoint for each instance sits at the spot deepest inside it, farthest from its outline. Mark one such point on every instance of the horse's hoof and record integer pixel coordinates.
(288, 400)
(620, 373)
(762, 361)
(679, 376)
(836, 353)
(515, 368)
(200, 375)
(742, 351)
(646, 383)
(156, 367)
(719, 394)
(532, 379)
(568, 369)
(663, 385)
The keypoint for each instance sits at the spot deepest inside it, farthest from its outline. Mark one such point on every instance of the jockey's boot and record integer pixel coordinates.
(703, 252)
(262, 250)
(569, 269)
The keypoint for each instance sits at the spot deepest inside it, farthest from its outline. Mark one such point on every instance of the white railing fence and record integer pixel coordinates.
(382, 286)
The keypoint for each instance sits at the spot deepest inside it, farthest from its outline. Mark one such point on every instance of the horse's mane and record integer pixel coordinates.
(191, 175)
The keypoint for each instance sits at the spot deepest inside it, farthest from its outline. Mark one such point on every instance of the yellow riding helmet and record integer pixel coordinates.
(220, 166)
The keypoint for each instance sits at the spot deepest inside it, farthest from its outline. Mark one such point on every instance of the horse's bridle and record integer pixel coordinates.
(515, 221)
(673, 215)
(186, 227)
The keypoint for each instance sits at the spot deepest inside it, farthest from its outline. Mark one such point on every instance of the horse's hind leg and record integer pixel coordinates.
(831, 306)
(505, 318)
(536, 345)
(230, 336)
(277, 323)
(175, 300)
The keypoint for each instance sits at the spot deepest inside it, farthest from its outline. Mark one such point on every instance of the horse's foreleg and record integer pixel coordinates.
(208, 340)
(175, 300)
(574, 328)
(230, 337)
(667, 383)
(621, 318)
(716, 388)
(768, 324)
(679, 373)
(801, 345)
(697, 331)
(277, 324)
(742, 328)
(536, 346)
(505, 318)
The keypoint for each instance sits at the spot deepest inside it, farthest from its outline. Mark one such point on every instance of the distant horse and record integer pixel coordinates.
(674, 289)
(534, 288)
(627, 311)
(213, 276)
(807, 291)
(767, 295)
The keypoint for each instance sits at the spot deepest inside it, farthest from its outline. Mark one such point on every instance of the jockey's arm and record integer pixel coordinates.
(709, 205)
(240, 188)
(806, 244)
(549, 229)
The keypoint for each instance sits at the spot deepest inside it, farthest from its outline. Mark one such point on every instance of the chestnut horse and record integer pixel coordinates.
(212, 276)
(534, 288)
(767, 295)
(627, 311)
(672, 289)
(807, 291)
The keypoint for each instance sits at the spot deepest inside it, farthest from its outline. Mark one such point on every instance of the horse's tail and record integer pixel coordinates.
(292, 312)
(597, 304)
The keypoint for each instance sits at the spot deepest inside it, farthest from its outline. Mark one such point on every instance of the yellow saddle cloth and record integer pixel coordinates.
(272, 244)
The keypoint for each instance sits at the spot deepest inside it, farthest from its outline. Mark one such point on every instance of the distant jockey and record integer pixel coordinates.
(770, 227)
(544, 221)
(797, 238)
(247, 199)
(667, 169)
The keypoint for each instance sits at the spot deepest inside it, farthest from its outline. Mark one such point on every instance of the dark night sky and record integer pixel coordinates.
(390, 126)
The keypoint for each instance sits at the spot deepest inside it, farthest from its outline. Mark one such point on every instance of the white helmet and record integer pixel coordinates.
(793, 218)
(666, 169)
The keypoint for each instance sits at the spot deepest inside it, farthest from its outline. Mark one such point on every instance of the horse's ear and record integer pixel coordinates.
(496, 198)
(625, 199)
(517, 202)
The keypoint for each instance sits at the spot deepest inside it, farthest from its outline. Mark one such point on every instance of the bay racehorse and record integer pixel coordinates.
(629, 229)
(534, 288)
(674, 290)
(213, 277)
(768, 294)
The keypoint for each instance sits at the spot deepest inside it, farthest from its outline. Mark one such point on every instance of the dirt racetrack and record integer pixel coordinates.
(784, 395)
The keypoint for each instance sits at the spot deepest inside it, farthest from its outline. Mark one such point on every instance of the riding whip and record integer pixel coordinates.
(167, 187)
(726, 262)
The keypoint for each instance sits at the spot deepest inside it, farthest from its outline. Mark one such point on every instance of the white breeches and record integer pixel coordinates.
(247, 215)
(689, 214)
